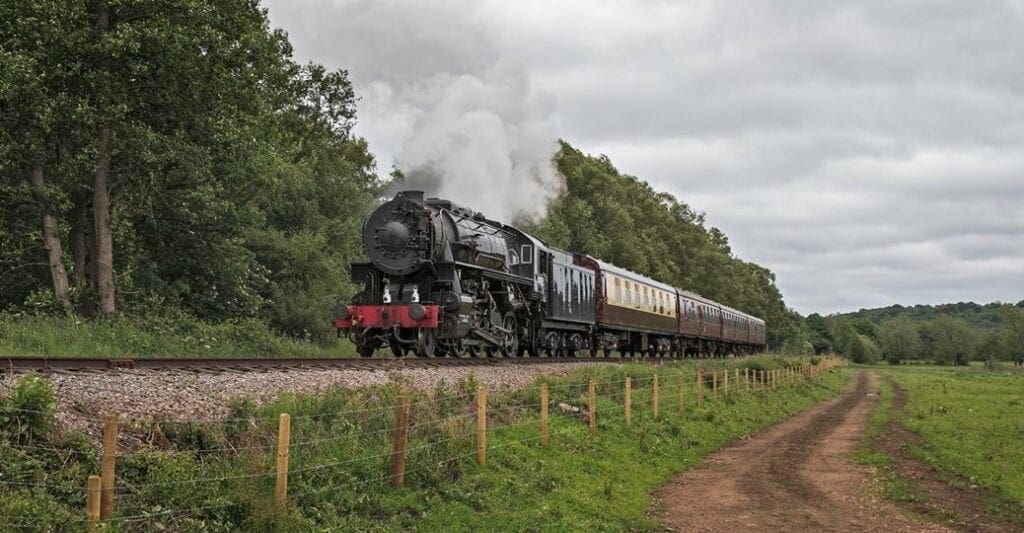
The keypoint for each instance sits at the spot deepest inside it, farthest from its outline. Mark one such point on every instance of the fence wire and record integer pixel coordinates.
(452, 429)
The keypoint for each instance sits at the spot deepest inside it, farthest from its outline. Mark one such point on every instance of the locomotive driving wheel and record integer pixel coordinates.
(510, 340)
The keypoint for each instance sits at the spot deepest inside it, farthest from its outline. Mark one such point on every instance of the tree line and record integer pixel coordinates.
(952, 334)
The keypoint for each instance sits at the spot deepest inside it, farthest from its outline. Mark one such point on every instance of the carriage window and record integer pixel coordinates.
(526, 254)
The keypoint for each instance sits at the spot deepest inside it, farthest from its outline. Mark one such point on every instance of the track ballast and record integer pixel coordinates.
(263, 364)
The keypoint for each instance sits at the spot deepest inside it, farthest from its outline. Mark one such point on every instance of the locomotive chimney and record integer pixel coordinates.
(415, 196)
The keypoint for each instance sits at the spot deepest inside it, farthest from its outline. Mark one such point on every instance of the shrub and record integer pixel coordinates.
(28, 415)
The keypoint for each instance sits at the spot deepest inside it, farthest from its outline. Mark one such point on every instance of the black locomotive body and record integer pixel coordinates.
(445, 280)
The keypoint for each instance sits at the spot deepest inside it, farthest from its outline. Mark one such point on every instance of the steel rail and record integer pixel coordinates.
(100, 364)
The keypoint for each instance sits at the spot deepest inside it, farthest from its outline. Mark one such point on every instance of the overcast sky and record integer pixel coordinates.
(869, 153)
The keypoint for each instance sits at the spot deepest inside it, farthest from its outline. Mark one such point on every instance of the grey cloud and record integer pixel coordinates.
(868, 152)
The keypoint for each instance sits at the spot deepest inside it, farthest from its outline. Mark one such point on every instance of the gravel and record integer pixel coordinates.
(84, 398)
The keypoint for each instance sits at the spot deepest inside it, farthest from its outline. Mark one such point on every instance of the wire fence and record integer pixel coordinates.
(429, 434)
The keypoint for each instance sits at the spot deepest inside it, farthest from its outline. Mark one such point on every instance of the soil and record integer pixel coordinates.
(795, 476)
(953, 501)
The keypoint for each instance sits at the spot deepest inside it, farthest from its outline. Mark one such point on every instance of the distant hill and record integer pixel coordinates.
(977, 316)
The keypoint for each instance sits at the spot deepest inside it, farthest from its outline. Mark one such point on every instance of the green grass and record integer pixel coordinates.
(153, 337)
(579, 483)
(972, 421)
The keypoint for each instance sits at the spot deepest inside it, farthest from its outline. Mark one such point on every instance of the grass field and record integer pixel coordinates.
(339, 477)
(154, 337)
(970, 421)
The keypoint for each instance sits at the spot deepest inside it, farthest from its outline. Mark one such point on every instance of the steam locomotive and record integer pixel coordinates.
(443, 280)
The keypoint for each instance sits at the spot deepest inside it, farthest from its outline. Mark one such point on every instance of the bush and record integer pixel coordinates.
(863, 350)
(28, 415)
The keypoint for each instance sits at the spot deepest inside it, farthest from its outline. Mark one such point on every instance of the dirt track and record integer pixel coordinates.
(795, 476)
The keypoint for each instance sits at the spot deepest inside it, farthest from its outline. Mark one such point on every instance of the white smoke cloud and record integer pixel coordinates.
(487, 141)
(443, 107)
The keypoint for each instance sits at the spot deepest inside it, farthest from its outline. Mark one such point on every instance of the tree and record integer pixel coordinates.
(862, 349)
(820, 336)
(1011, 333)
(39, 73)
(899, 340)
(947, 341)
(865, 327)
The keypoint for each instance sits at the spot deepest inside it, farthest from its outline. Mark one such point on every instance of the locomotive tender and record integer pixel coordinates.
(444, 280)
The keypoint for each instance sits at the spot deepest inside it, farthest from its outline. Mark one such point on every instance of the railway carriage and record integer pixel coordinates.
(635, 314)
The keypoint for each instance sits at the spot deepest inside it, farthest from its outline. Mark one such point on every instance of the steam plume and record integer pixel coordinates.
(436, 98)
(484, 142)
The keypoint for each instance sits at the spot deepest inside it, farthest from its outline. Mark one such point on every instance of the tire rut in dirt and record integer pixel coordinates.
(780, 480)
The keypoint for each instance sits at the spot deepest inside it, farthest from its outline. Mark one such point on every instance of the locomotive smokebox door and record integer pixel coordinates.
(395, 235)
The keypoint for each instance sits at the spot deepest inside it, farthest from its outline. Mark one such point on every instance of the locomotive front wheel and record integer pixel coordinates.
(398, 349)
(426, 344)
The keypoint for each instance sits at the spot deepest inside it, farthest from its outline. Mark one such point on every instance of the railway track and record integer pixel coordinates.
(257, 364)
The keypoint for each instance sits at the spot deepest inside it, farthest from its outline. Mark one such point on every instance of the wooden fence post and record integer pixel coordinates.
(682, 406)
(592, 406)
(629, 402)
(737, 379)
(714, 385)
(725, 383)
(481, 425)
(656, 400)
(107, 469)
(544, 415)
(700, 389)
(284, 433)
(92, 503)
(401, 440)
(746, 378)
